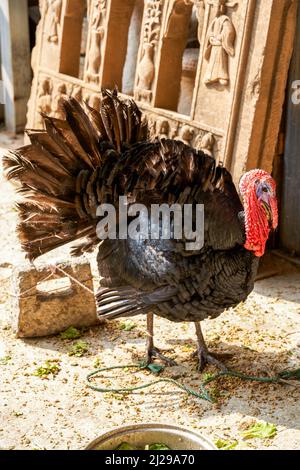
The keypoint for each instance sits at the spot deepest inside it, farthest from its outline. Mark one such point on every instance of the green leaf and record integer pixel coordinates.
(125, 446)
(79, 349)
(225, 445)
(261, 430)
(155, 368)
(128, 325)
(50, 367)
(71, 333)
(207, 376)
(97, 363)
(158, 446)
(4, 360)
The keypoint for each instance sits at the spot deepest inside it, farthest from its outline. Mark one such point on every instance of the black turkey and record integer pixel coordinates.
(91, 158)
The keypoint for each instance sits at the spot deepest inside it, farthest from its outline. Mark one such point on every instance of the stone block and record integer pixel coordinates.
(47, 301)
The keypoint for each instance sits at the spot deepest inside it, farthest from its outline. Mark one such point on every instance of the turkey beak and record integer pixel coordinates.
(268, 212)
(269, 203)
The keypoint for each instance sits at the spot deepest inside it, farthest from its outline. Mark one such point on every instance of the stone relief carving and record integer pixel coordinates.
(51, 94)
(160, 126)
(200, 13)
(174, 129)
(89, 8)
(175, 26)
(163, 128)
(151, 120)
(168, 128)
(86, 95)
(77, 92)
(215, 59)
(44, 100)
(52, 91)
(219, 44)
(95, 101)
(97, 12)
(206, 143)
(146, 67)
(60, 93)
(186, 135)
(53, 15)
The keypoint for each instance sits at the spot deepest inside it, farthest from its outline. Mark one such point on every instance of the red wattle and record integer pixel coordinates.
(256, 224)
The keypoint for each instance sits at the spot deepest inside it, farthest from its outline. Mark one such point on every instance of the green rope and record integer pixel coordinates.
(204, 393)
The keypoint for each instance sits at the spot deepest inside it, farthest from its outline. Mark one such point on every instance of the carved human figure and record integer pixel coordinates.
(44, 100)
(173, 130)
(186, 135)
(96, 36)
(163, 129)
(219, 45)
(77, 93)
(53, 12)
(151, 123)
(60, 94)
(206, 143)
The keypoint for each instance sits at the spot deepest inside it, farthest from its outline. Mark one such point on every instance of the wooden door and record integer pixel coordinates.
(290, 212)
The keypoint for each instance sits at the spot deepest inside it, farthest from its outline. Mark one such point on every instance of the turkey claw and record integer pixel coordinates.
(204, 358)
(155, 353)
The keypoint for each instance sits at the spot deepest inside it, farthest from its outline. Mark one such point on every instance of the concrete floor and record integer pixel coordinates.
(60, 412)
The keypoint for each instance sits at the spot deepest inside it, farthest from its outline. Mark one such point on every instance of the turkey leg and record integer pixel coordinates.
(203, 354)
(152, 351)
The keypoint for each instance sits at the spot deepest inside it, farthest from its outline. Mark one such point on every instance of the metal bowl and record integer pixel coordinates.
(139, 435)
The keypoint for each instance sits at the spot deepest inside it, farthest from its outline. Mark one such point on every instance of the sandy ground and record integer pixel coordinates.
(60, 412)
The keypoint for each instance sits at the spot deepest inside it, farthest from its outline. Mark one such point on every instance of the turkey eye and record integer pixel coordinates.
(265, 190)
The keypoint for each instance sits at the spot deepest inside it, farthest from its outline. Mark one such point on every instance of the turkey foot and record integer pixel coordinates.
(204, 356)
(153, 352)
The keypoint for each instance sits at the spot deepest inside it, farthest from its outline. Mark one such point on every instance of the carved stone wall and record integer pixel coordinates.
(240, 75)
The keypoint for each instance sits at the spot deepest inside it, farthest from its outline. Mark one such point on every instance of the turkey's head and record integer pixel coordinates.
(258, 190)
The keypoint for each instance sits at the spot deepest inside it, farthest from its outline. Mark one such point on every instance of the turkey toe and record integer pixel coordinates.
(155, 353)
(205, 357)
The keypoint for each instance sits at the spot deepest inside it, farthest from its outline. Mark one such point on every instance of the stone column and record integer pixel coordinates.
(169, 63)
(15, 65)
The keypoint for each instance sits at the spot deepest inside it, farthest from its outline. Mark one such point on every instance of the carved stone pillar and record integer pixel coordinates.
(241, 73)
(71, 28)
(178, 17)
(107, 41)
(15, 61)
(146, 76)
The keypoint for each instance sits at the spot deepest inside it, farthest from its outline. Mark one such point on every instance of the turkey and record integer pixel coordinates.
(94, 157)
